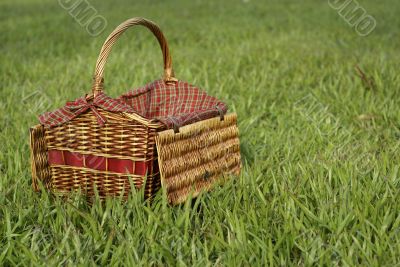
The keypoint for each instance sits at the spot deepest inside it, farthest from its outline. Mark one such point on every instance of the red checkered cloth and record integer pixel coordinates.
(74, 108)
(174, 104)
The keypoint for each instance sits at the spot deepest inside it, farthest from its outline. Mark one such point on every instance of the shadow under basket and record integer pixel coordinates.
(168, 133)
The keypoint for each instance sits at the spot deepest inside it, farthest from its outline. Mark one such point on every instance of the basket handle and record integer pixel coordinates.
(113, 37)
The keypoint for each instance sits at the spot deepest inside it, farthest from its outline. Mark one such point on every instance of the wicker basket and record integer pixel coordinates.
(167, 133)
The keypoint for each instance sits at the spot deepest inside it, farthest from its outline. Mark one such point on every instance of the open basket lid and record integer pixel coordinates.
(198, 157)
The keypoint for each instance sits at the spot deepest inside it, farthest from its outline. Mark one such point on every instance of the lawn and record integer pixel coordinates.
(320, 145)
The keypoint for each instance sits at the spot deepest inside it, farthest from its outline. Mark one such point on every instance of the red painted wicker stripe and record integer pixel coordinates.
(125, 166)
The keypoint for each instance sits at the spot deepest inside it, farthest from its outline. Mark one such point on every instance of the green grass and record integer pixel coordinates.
(320, 182)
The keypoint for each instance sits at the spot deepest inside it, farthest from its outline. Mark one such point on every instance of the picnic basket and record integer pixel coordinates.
(167, 133)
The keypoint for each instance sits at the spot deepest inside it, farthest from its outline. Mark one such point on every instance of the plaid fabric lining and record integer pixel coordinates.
(72, 109)
(175, 104)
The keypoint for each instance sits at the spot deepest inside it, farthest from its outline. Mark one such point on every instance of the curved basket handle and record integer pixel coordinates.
(113, 37)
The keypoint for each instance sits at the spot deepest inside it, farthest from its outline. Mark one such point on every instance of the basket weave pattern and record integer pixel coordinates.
(200, 154)
(111, 145)
(120, 138)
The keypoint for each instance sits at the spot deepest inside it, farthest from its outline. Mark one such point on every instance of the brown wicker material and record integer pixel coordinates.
(185, 162)
(39, 163)
(199, 155)
(125, 136)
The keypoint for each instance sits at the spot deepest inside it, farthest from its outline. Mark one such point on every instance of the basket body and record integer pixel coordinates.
(82, 155)
(167, 133)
